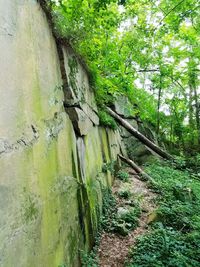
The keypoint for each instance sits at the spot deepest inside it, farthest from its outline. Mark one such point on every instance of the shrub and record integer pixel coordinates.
(126, 220)
(108, 210)
(125, 193)
(130, 217)
(110, 166)
(123, 176)
(106, 120)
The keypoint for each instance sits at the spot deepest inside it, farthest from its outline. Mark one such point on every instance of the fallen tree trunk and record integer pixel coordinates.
(136, 168)
(139, 136)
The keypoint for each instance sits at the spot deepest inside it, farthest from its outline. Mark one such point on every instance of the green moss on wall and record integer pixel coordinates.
(30, 209)
(73, 66)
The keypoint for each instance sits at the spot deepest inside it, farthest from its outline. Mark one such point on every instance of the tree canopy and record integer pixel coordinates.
(146, 50)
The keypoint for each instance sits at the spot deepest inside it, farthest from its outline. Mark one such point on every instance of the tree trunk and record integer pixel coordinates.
(191, 112)
(135, 167)
(158, 105)
(192, 81)
(139, 136)
(197, 113)
(180, 133)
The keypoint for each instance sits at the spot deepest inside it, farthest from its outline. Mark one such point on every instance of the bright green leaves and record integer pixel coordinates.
(174, 237)
(144, 50)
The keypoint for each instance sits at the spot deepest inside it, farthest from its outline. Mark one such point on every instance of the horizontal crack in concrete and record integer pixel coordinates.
(23, 141)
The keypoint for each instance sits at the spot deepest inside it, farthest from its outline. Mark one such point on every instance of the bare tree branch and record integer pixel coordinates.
(149, 70)
(171, 11)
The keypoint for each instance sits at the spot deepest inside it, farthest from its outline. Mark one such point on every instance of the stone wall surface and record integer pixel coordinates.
(133, 148)
(51, 156)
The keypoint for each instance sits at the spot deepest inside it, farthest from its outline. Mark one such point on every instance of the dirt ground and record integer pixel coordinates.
(114, 249)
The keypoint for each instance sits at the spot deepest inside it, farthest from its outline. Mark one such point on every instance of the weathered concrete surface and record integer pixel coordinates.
(123, 107)
(50, 180)
(79, 98)
(77, 89)
(82, 123)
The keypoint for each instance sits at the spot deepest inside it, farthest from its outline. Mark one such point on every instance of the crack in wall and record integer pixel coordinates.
(24, 141)
(31, 135)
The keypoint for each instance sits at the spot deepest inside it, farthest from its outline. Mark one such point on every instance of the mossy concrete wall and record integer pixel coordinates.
(50, 176)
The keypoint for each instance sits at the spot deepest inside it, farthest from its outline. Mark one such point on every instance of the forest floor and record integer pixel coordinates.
(114, 248)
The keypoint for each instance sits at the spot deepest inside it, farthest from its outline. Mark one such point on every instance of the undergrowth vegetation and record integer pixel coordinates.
(118, 220)
(109, 166)
(115, 218)
(174, 240)
(108, 210)
(123, 175)
(124, 193)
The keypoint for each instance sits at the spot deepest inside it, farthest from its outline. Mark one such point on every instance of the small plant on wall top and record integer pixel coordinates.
(106, 120)
(73, 66)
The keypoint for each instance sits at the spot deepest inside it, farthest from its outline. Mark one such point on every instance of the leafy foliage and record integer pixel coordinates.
(174, 239)
(108, 211)
(89, 259)
(118, 220)
(110, 166)
(145, 50)
(124, 193)
(127, 220)
(123, 176)
(106, 120)
(166, 247)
